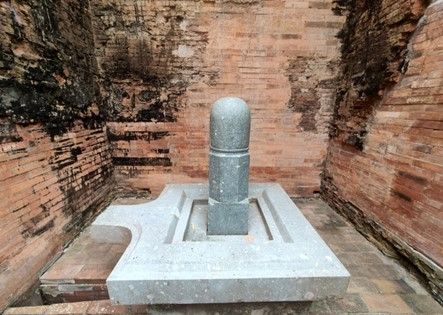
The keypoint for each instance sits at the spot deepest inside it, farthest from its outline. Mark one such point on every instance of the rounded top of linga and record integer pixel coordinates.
(230, 125)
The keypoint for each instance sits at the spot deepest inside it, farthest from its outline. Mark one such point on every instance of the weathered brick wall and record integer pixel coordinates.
(163, 63)
(50, 190)
(55, 171)
(47, 63)
(385, 163)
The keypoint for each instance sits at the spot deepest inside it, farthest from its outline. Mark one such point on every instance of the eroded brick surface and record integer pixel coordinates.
(50, 190)
(165, 62)
(55, 163)
(151, 69)
(390, 184)
(47, 65)
(374, 57)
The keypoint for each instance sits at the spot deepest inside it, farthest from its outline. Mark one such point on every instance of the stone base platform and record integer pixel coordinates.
(378, 285)
(171, 260)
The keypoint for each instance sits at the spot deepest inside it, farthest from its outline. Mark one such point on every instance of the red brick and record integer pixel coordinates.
(394, 178)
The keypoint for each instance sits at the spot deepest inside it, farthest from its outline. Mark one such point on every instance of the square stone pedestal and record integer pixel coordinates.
(172, 260)
(225, 218)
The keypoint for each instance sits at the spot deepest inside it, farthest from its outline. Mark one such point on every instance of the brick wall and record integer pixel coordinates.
(55, 162)
(153, 71)
(163, 63)
(384, 167)
(50, 190)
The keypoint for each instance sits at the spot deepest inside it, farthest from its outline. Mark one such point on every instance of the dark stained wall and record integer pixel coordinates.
(385, 164)
(163, 64)
(55, 163)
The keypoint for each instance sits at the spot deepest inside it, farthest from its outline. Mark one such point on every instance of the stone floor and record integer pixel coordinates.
(378, 284)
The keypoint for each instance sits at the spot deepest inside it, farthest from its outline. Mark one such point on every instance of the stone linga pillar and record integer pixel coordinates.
(184, 251)
(229, 167)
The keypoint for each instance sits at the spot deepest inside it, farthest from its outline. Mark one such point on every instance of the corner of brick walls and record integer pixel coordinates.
(51, 189)
(384, 166)
(55, 164)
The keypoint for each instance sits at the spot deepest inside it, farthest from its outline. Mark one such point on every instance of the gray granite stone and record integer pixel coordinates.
(230, 124)
(228, 218)
(197, 226)
(229, 167)
(228, 177)
(170, 261)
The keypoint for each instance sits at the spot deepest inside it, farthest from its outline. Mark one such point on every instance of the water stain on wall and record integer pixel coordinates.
(374, 56)
(48, 68)
(150, 55)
